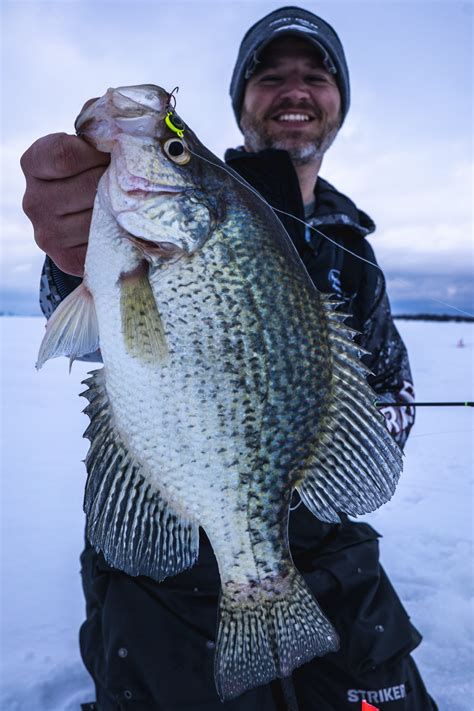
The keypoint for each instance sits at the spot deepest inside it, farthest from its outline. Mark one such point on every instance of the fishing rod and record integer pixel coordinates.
(424, 404)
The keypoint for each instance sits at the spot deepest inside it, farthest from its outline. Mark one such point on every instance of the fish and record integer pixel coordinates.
(229, 382)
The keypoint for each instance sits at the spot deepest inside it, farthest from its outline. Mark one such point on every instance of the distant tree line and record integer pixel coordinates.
(433, 317)
(405, 317)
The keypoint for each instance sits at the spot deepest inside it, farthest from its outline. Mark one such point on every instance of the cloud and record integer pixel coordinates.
(412, 174)
(418, 193)
(432, 293)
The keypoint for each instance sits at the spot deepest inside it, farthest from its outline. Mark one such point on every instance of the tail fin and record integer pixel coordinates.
(266, 634)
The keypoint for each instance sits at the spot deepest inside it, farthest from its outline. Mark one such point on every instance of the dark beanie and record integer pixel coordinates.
(295, 22)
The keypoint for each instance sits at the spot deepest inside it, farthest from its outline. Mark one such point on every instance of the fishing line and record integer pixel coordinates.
(283, 212)
(293, 508)
(432, 434)
(306, 224)
(466, 313)
(466, 403)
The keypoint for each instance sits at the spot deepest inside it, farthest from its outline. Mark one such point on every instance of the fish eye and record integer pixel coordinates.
(176, 149)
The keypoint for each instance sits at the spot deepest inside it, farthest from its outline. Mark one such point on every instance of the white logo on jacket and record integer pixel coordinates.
(390, 693)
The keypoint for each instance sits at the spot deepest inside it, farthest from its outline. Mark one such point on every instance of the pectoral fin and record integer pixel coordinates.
(141, 323)
(72, 330)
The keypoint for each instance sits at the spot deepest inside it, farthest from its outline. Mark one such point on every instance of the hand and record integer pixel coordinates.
(62, 173)
(399, 420)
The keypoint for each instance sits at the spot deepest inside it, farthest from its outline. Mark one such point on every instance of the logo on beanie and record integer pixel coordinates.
(291, 24)
(298, 24)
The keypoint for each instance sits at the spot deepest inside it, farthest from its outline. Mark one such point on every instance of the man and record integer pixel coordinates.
(149, 645)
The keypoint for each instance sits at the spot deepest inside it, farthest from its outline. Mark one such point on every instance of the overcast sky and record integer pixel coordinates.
(404, 154)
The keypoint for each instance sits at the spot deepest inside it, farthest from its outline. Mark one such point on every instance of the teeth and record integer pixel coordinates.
(293, 117)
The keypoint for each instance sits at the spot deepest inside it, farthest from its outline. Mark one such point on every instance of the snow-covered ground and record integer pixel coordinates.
(427, 527)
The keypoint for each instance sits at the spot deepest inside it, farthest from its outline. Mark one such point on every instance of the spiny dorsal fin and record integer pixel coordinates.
(357, 464)
(72, 330)
(128, 517)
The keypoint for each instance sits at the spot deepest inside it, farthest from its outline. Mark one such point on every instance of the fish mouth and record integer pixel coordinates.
(137, 186)
(133, 110)
(155, 191)
(145, 97)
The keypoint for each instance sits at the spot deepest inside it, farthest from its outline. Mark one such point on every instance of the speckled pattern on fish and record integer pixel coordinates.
(228, 382)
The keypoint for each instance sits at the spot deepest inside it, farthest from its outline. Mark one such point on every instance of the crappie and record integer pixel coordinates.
(228, 382)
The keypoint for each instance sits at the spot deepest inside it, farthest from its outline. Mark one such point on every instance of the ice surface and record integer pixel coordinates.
(427, 527)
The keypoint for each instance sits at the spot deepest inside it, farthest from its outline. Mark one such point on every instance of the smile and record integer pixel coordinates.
(290, 116)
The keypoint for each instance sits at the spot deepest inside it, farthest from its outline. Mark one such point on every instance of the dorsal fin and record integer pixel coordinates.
(356, 465)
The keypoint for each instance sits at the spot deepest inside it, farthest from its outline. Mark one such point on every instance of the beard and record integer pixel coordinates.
(302, 148)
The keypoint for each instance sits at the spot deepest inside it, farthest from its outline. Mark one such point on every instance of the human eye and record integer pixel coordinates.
(317, 78)
(269, 78)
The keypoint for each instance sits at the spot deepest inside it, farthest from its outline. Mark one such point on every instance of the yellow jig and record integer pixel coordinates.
(171, 125)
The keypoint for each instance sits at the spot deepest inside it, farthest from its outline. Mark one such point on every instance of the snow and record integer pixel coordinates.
(427, 527)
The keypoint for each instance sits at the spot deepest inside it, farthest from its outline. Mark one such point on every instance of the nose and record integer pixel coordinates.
(295, 89)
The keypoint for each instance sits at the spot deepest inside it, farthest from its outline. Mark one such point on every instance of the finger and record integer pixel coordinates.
(78, 193)
(72, 260)
(60, 155)
(45, 200)
(64, 234)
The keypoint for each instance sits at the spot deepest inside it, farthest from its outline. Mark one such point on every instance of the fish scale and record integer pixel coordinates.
(228, 383)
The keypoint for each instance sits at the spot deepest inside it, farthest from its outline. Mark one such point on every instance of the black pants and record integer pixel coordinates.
(149, 646)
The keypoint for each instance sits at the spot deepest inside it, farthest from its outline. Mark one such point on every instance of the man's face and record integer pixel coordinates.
(291, 102)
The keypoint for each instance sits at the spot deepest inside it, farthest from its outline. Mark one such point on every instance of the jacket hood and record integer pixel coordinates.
(331, 206)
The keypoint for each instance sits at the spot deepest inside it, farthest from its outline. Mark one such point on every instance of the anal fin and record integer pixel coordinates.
(128, 518)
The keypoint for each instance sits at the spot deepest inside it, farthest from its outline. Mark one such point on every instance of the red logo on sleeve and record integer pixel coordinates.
(368, 707)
